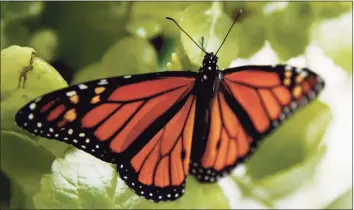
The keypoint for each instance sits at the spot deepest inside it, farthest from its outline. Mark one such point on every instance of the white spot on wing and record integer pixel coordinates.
(298, 70)
(103, 82)
(128, 76)
(82, 86)
(293, 105)
(286, 110)
(304, 74)
(71, 93)
(32, 106)
(30, 116)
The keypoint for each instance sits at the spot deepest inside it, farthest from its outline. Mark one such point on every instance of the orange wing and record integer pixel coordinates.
(227, 143)
(144, 123)
(251, 103)
(158, 170)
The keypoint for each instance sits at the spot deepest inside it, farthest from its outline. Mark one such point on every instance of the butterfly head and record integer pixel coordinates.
(209, 62)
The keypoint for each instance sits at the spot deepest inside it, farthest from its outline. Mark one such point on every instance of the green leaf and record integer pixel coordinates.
(338, 46)
(2, 35)
(288, 29)
(251, 35)
(169, 46)
(5, 189)
(138, 56)
(175, 63)
(56, 147)
(13, 60)
(200, 20)
(13, 32)
(78, 181)
(90, 72)
(46, 42)
(146, 28)
(81, 181)
(196, 196)
(40, 79)
(179, 61)
(25, 169)
(274, 186)
(286, 181)
(344, 201)
(287, 158)
(250, 190)
(86, 29)
(20, 10)
(324, 10)
(292, 143)
(158, 11)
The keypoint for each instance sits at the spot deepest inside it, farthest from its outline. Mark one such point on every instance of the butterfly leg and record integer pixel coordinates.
(25, 70)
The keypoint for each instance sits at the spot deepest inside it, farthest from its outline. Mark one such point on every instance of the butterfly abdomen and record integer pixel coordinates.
(207, 84)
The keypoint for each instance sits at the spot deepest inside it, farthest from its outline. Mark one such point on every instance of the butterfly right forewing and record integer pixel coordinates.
(252, 101)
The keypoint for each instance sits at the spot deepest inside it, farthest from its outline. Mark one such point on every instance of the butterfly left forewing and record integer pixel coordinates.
(87, 115)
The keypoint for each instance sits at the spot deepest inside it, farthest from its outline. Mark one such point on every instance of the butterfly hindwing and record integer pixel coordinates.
(227, 142)
(159, 169)
(252, 101)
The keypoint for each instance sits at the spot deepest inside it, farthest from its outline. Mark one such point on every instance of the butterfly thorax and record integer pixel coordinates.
(209, 63)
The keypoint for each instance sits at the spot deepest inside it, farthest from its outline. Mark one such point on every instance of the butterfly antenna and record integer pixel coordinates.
(186, 34)
(229, 31)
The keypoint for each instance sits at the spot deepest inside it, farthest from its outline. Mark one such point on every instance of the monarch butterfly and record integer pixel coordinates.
(158, 127)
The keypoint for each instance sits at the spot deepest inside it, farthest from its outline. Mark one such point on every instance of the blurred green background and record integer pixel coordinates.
(80, 41)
